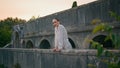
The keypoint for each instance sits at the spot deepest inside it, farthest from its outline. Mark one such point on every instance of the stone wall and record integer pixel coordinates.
(76, 17)
(40, 58)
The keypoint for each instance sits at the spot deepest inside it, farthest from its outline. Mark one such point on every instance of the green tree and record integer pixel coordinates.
(74, 4)
(6, 29)
(2, 66)
(17, 65)
(33, 18)
(5, 36)
(104, 27)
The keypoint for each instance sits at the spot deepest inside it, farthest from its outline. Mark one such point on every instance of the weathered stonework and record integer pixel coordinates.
(46, 58)
(76, 21)
(38, 36)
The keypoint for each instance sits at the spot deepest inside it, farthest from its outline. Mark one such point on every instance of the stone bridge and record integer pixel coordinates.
(32, 41)
(39, 33)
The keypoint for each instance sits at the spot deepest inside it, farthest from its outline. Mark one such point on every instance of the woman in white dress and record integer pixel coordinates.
(61, 37)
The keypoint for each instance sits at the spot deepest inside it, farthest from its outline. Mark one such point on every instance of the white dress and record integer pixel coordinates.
(61, 38)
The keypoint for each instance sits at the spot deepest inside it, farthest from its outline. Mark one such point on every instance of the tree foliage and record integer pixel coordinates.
(2, 66)
(74, 4)
(6, 29)
(115, 37)
(17, 65)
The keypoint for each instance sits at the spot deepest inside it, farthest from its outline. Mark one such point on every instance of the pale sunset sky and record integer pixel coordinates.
(25, 9)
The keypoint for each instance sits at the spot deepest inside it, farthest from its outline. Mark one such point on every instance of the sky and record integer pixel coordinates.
(25, 9)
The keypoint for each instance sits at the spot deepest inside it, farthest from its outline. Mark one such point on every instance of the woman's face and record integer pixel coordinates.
(55, 22)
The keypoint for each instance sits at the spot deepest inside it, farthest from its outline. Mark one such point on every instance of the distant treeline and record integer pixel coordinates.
(6, 29)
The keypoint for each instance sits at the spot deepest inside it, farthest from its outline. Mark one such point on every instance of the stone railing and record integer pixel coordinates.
(44, 58)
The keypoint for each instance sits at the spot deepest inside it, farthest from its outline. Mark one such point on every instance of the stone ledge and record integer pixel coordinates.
(50, 51)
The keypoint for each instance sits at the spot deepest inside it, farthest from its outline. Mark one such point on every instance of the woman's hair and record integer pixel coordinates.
(57, 19)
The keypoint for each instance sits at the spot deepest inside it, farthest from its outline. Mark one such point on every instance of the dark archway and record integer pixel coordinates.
(101, 39)
(23, 44)
(44, 45)
(72, 43)
(29, 44)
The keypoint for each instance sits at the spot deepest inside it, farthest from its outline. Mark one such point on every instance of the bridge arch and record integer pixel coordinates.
(101, 39)
(72, 43)
(23, 44)
(44, 44)
(98, 37)
(29, 44)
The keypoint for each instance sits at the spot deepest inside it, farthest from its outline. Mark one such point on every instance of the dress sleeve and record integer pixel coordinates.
(55, 40)
(61, 38)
